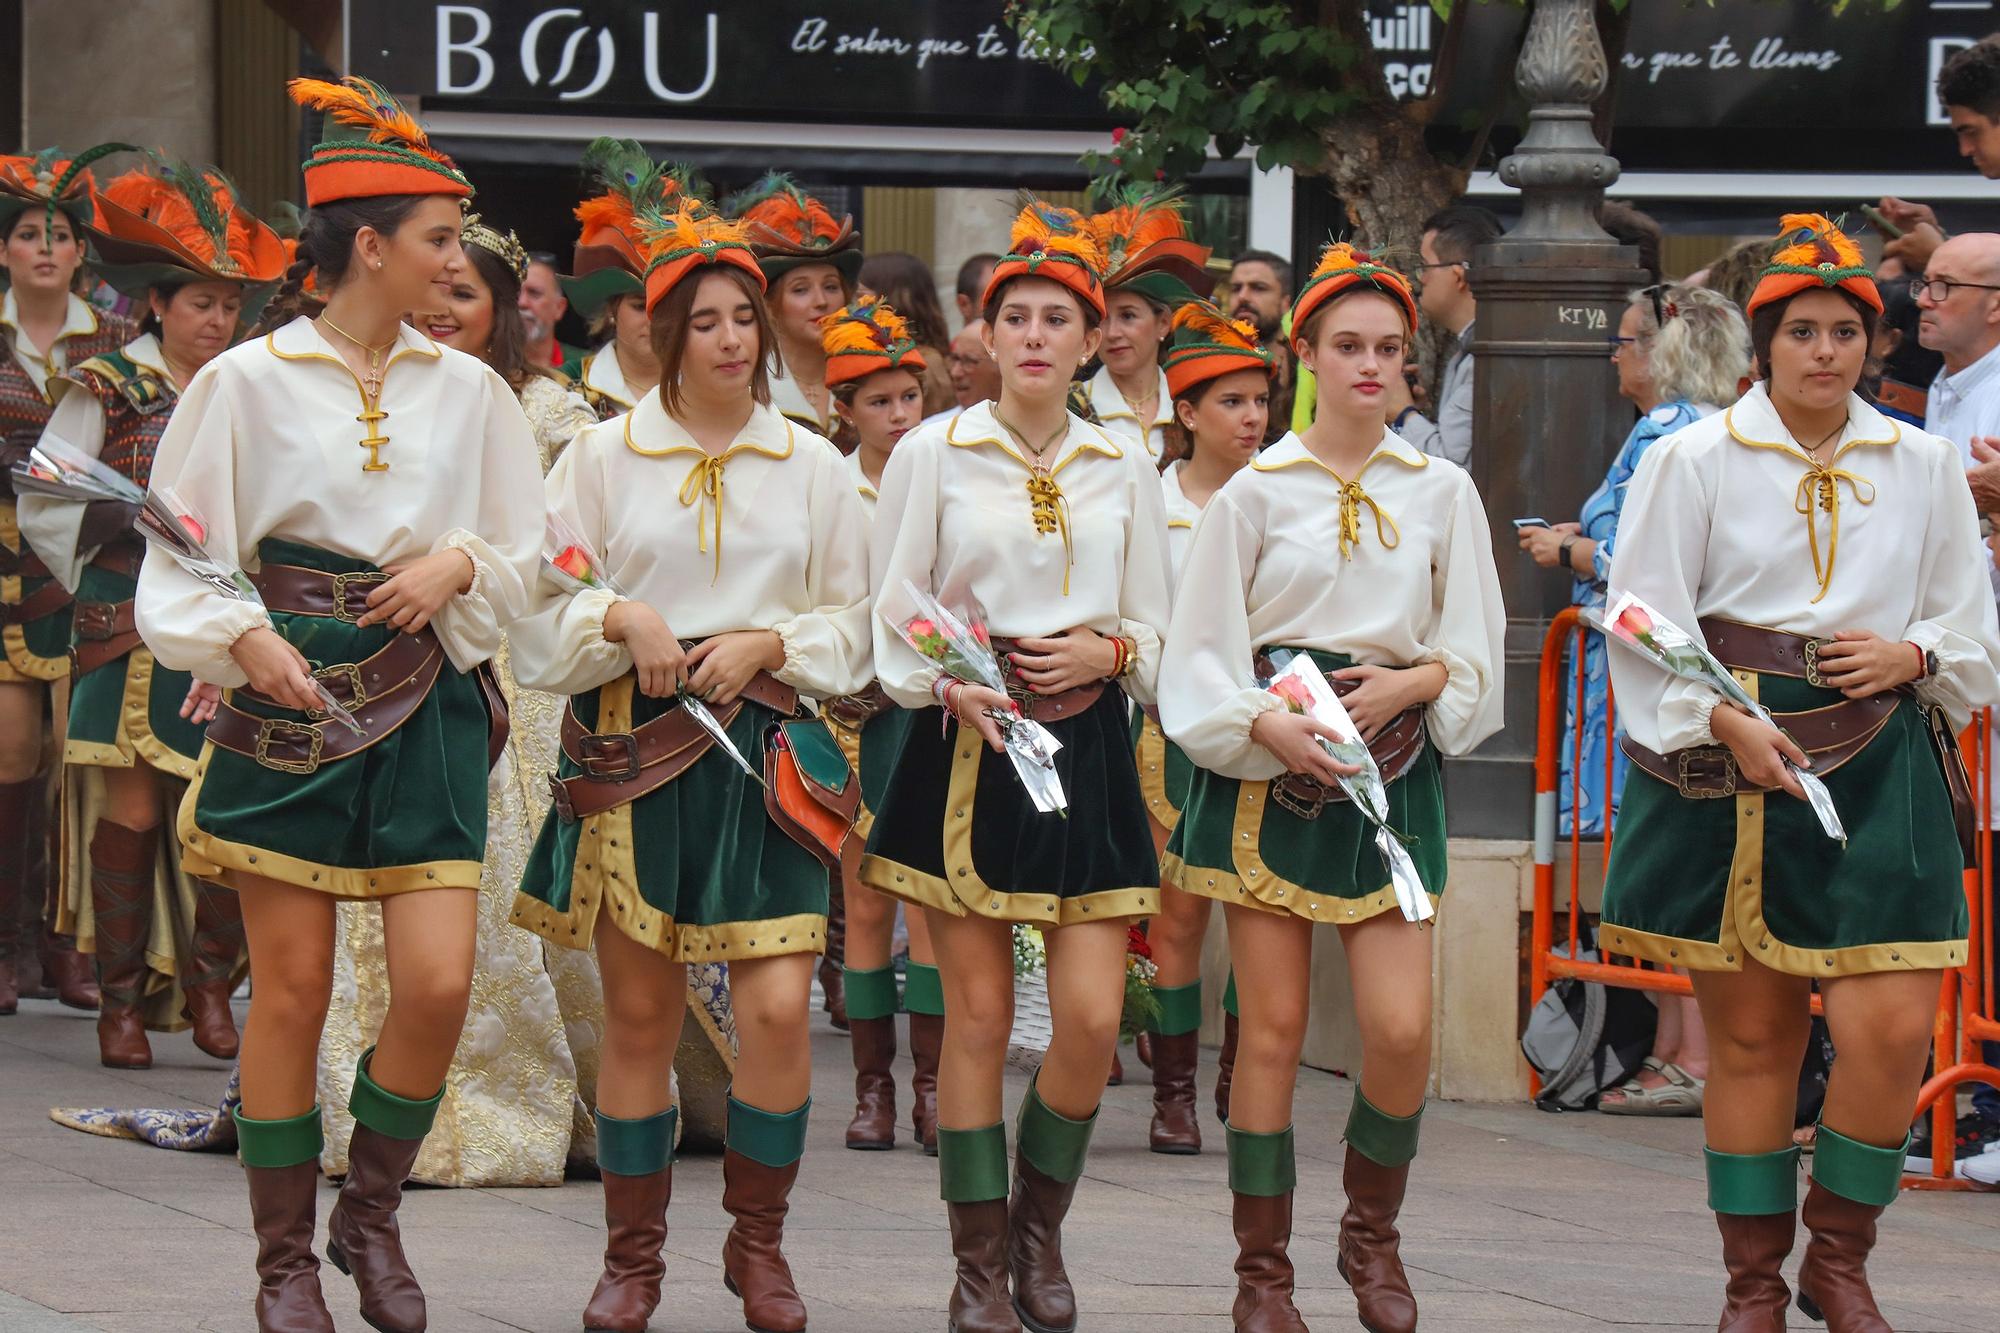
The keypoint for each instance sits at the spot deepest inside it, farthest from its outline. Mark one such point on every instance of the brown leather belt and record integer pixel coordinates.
(1396, 748)
(855, 711)
(120, 557)
(24, 563)
(312, 592)
(105, 632)
(1044, 708)
(46, 600)
(1830, 736)
(621, 766)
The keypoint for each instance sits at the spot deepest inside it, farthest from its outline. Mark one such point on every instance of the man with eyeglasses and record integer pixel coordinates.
(1958, 304)
(1451, 237)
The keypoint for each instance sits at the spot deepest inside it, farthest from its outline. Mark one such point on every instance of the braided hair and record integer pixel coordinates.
(326, 247)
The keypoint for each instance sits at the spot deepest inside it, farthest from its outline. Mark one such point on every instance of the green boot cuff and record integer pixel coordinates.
(1859, 1171)
(1753, 1184)
(774, 1138)
(1229, 998)
(1386, 1140)
(642, 1147)
(1261, 1165)
(923, 990)
(871, 994)
(972, 1164)
(278, 1143)
(1180, 1009)
(384, 1112)
(1054, 1144)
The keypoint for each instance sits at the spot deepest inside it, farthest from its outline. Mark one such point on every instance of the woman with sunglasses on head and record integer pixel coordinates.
(380, 493)
(1349, 546)
(875, 369)
(1830, 558)
(45, 201)
(662, 851)
(1052, 530)
(169, 947)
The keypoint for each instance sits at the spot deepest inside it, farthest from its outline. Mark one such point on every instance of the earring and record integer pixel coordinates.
(379, 263)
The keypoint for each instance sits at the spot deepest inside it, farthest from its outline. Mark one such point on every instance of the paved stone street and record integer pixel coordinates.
(1517, 1220)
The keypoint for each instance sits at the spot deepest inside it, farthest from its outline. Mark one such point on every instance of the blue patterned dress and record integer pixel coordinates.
(1600, 524)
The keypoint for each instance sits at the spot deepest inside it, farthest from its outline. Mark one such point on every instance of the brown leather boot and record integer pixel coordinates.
(753, 1261)
(874, 1124)
(1225, 1066)
(69, 972)
(1833, 1277)
(362, 1237)
(13, 875)
(1176, 1126)
(121, 894)
(1754, 1250)
(281, 1210)
(1369, 1262)
(1263, 1264)
(833, 964)
(65, 972)
(980, 1300)
(1043, 1297)
(208, 975)
(635, 1222)
(926, 1043)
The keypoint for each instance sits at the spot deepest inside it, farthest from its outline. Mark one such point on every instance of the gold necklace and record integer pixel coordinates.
(1037, 458)
(1048, 507)
(372, 416)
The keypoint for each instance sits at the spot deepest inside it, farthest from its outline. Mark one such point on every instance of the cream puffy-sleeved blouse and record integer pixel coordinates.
(1393, 567)
(767, 535)
(267, 442)
(1084, 547)
(1730, 517)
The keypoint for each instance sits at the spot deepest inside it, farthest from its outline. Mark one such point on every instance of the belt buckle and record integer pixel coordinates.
(348, 672)
(611, 757)
(94, 620)
(1697, 766)
(276, 729)
(1285, 792)
(341, 583)
(559, 800)
(1813, 678)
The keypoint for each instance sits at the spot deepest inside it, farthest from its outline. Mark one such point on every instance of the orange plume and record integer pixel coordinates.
(1205, 321)
(363, 104)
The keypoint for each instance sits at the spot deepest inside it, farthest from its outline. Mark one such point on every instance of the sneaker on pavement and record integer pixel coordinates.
(1974, 1136)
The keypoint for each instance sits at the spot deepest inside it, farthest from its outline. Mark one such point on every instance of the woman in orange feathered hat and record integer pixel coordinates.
(1827, 555)
(663, 848)
(44, 327)
(178, 239)
(380, 493)
(1351, 551)
(811, 260)
(1051, 528)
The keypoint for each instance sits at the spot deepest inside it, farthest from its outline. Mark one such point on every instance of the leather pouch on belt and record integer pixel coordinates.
(810, 791)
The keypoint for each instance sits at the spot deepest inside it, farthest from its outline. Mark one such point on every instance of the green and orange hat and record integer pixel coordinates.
(1147, 249)
(1207, 344)
(372, 148)
(610, 258)
(864, 338)
(1341, 269)
(690, 238)
(790, 229)
(1053, 242)
(1812, 252)
(168, 222)
(51, 181)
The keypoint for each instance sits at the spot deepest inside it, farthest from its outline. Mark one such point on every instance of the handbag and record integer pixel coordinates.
(1957, 784)
(810, 790)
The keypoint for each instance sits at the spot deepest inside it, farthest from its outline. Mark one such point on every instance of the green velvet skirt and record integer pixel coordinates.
(1165, 771)
(405, 814)
(873, 753)
(129, 709)
(1234, 843)
(957, 831)
(38, 650)
(695, 869)
(1707, 883)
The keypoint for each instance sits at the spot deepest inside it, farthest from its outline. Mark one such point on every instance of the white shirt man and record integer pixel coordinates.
(1960, 321)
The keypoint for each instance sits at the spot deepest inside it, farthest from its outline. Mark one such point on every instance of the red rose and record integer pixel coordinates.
(919, 628)
(572, 561)
(1635, 622)
(194, 529)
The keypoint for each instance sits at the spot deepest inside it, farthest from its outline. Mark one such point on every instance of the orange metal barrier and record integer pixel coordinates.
(1967, 1013)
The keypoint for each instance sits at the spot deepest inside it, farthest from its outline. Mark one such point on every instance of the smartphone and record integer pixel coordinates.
(1880, 223)
(1520, 523)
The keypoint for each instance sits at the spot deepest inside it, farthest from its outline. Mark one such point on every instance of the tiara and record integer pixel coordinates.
(505, 247)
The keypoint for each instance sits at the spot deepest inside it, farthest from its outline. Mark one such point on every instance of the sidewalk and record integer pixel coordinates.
(1517, 1220)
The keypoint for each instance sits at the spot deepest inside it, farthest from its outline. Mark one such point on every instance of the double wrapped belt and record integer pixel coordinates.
(120, 557)
(1830, 736)
(312, 592)
(1043, 708)
(105, 632)
(24, 563)
(46, 600)
(1396, 747)
(855, 711)
(621, 766)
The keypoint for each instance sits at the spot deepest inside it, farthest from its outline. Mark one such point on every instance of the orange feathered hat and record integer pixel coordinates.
(169, 222)
(789, 228)
(1341, 269)
(610, 259)
(372, 146)
(50, 180)
(1812, 252)
(689, 238)
(1147, 249)
(864, 338)
(1049, 241)
(1207, 344)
